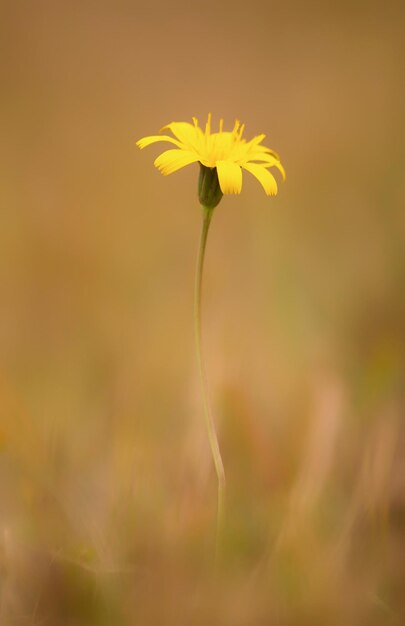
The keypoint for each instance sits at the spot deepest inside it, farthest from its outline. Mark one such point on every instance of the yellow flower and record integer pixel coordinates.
(225, 151)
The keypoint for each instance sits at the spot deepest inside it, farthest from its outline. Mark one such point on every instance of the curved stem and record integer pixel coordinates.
(209, 419)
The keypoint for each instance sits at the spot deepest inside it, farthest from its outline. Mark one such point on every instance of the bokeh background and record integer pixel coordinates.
(107, 491)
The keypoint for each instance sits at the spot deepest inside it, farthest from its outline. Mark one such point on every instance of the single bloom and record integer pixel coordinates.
(226, 152)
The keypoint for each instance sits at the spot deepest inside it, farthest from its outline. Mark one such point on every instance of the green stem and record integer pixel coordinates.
(209, 419)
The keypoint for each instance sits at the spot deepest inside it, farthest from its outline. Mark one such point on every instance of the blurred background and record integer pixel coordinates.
(107, 490)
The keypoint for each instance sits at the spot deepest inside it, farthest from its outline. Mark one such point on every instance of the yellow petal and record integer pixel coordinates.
(261, 156)
(268, 150)
(208, 126)
(147, 141)
(229, 176)
(265, 178)
(255, 141)
(268, 161)
(173, 160)
(187, 133)
(280, 168)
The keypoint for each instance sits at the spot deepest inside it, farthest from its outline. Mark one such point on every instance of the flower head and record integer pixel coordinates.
(226, 152)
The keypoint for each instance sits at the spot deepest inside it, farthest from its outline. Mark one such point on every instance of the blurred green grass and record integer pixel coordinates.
(107, 494)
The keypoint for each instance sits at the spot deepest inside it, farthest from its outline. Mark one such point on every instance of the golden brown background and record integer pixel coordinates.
(107, 494)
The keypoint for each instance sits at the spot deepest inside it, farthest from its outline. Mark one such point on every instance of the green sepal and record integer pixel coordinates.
(209, 191)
